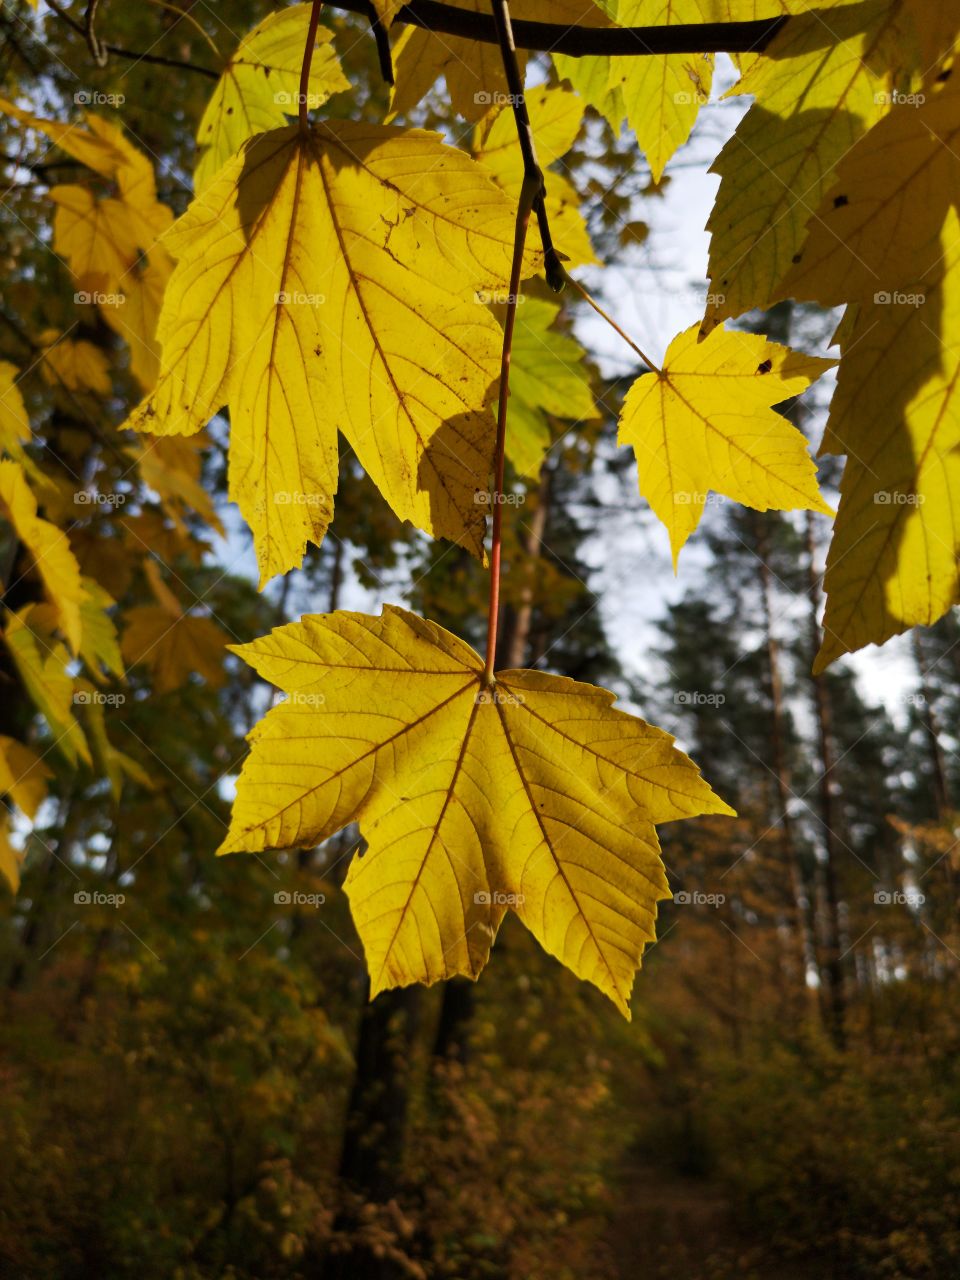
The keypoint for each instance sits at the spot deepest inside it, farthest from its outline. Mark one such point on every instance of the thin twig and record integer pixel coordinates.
(98, 51)
(382, 38)
(588, 297)
(528, 195)
(307, 63)
(132, 54)
(531, 167)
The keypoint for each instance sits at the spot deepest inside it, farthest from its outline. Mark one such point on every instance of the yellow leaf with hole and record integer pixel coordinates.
(705, 423)
(532, 794)
(23, 775)
(14, 423)
(260, 86)
(892, 562)
(877, 234)
(41, 662)
(49, 549)
(330, 283)
(817, 88)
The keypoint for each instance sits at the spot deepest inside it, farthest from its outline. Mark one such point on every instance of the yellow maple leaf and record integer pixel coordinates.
(816, 90)
(330, 282)
(260, 86)
(532, 794)
(14, 423)
(99, 647)
(705, 423)
(48, 546)
(878, 230)
(555, 116)
(41, 661)
(171, 467)
(172, 643)
(892, 562)
(74, 364)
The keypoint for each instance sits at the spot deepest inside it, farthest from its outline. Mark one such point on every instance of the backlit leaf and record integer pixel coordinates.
(534, 794)
(331, 283)
(705, 424)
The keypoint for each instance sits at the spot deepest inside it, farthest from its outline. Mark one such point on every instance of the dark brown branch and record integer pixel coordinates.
(578, 42)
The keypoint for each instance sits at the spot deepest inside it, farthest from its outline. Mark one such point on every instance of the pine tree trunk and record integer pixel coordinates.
(837, 1004)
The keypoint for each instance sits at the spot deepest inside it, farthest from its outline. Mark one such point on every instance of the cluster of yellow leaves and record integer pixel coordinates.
(110, 242)
(530, 793)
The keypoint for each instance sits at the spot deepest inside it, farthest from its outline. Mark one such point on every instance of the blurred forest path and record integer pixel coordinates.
(671, 1225)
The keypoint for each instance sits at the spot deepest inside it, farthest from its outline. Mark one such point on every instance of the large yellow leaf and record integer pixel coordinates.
(892, 562)
(704, 423)
(878, 230)
(49, 548)
(818, 87)
(330, 283)
(260, 86)
(533, 794)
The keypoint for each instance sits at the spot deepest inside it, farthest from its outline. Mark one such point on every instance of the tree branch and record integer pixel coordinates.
(578, 42)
